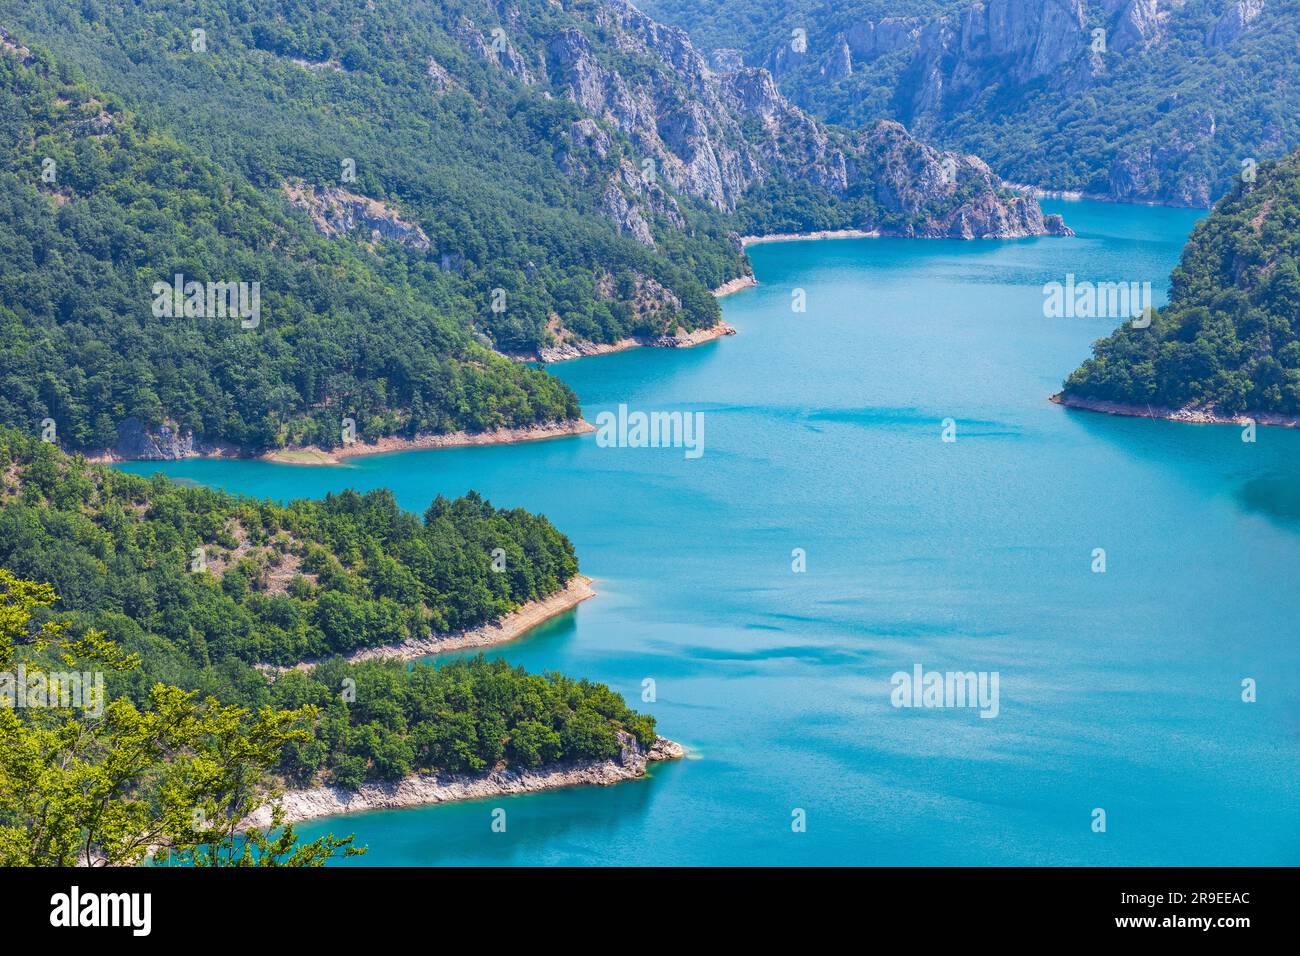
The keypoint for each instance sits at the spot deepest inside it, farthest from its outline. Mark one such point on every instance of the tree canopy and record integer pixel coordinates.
(1229, 339)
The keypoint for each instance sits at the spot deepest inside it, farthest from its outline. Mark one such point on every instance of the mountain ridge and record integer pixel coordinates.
(576, 177)
(1143, 100)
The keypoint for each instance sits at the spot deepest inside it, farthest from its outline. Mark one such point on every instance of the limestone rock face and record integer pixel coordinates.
(911, 175)
(1002, 42)
(1138, 173)
(867, 40)
(165, 443)
(496, 48)
(726, 59)
(438, 76)
(11, 46)
(840, 64)
(648, 298)
(336, 213)
(1138, 26)
(715, 129)
(1236, 20)
(717, 134)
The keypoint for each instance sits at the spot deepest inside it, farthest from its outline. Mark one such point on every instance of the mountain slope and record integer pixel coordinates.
(1228, 343)
(1131, 99)
(540, 145)
(224, 577)
(125, 207)
(407, 187)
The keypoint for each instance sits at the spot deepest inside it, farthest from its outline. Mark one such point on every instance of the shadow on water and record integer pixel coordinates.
(1275, 496)
(1262, 477)
(572, 820)
(555, 631)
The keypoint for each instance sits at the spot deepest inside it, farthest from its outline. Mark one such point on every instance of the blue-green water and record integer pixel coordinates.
(1119, 690)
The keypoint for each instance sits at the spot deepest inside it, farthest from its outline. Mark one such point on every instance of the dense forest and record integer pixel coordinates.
(1229, 339)
(283, 583)
(459, 143)
(413, 191)
(221, 576)
(1164, 104)
(127, 206)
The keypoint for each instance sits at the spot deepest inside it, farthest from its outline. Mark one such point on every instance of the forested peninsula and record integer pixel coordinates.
(201, 587)
(1227, 346)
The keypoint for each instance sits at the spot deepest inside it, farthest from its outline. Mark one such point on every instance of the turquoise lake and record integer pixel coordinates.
(1119, 690)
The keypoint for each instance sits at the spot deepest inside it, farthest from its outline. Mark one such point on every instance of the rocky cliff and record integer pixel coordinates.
(337, 212)
(717, 134)
(1131, 99)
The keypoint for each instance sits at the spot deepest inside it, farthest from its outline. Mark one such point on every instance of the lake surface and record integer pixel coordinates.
(1119, 690)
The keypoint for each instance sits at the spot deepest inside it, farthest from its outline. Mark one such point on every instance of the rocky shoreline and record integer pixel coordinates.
(1075, 195)
(424, 789)
(1192, 416)
(501, 631)
(682, 340)
(513, 625)
(312, 455)
(1051, 225)
(734, 285)
(168, 444)
(747, 241)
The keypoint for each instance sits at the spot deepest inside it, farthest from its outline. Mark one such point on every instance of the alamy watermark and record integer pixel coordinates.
(940, 689)
(65, 690)
(1098, 300)
(76, 909)
(651, 430)
(208, 300)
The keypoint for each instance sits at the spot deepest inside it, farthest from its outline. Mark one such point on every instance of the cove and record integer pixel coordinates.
(1118, 690)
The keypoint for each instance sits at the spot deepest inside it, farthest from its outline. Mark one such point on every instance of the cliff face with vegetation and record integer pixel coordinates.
(1132, 99)
(412, 187)
(732, 140)
(1228, 343)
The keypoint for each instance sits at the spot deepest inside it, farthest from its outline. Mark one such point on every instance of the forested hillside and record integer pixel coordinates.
(409, 187)
(283, 583)
(1228, 343)
(124, 206)
(1133, 99)
(225, 577)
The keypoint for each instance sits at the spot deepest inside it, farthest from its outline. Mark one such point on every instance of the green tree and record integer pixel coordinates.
(180, 775)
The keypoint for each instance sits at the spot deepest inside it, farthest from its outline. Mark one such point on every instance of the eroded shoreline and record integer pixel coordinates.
(188, 447)
(734, 285)
(1075, 195)
(429, 788)
(569, 351)
(1190, 416)
(312, 455)
(507, 628)
(747, 241)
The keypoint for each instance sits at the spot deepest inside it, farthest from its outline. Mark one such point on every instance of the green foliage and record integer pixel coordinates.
(79, 342)
(307, 579)
(463, 716)
(112, 787)
(281, 583)
(287, 89)
(1229, 340)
